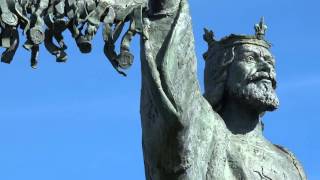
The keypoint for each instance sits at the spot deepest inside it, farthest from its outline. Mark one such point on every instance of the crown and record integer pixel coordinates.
(233, 39)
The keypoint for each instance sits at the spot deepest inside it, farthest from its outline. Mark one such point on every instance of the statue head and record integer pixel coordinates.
(241, 67)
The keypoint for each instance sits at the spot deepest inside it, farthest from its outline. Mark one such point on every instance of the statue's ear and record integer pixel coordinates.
(229, 56)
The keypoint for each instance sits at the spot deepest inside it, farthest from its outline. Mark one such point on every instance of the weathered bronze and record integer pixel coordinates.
(46, 20)
(186, 135)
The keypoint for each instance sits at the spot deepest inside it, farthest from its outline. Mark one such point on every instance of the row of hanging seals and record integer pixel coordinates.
(81, 17)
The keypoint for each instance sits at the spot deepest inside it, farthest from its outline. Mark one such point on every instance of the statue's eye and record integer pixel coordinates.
(250, 59)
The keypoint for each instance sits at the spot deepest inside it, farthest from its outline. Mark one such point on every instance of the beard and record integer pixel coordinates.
(259, 95)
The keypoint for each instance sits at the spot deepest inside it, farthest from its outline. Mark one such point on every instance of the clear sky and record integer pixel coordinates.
(80, 120)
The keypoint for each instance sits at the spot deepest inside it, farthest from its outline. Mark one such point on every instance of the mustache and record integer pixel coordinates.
(262, 76)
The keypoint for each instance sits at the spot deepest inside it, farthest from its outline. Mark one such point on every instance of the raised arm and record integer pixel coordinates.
(179, 126)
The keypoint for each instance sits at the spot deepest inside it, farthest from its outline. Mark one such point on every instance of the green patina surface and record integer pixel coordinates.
(186, 135)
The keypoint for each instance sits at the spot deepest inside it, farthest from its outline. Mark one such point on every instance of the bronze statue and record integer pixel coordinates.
(186, 135)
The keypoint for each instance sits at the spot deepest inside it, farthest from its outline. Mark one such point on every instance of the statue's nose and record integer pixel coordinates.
(264, 65)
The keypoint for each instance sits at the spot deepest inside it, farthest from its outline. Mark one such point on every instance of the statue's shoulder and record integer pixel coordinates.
(295, 161)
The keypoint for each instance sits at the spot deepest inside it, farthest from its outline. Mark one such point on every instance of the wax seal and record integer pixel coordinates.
(9, 19)
(36, 35)
(125, 59)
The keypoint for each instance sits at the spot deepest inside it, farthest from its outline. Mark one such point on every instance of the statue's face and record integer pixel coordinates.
(251, 78)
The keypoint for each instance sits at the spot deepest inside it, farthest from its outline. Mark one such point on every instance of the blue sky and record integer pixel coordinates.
(80, 120)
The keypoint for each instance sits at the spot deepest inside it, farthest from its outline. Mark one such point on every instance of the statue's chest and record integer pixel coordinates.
(258, 160)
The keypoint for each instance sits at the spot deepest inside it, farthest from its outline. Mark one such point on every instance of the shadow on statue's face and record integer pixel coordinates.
(251, 78)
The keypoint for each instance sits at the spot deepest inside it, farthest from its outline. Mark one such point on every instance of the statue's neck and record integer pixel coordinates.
(240, 119)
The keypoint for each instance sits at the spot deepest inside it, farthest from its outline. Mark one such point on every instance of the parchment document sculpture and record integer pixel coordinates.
(186, 135)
